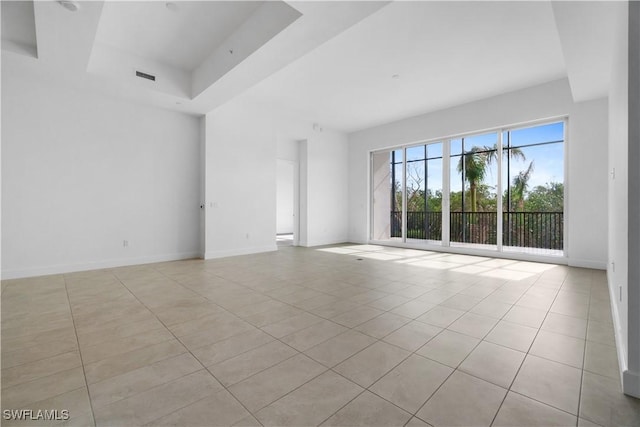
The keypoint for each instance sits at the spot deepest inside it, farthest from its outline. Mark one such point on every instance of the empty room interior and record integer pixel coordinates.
(336, 213)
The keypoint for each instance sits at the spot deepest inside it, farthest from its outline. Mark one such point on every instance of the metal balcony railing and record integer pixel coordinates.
(543, 230)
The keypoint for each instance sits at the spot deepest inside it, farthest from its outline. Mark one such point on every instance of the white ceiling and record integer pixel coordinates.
(445, 54)
(19, 27)
(329, 62)
(181, 36)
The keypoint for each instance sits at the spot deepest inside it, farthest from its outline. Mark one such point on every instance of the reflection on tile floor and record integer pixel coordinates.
(341, 335)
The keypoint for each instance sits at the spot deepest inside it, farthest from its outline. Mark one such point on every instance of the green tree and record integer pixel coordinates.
(474, 165)
(475, 162)
(546, 198)
(520, 185)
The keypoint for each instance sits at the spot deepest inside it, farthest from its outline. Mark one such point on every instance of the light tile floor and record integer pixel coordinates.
(342, 335)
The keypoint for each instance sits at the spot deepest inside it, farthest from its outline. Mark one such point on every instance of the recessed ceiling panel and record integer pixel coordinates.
(19, 28)
(180, 34)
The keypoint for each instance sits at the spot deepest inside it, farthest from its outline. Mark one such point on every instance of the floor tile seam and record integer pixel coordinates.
(297, 353)
(160, 328)
(394, 330)
(169, 278)
(361, 393)
(41, 376)
(523, 359)
(116, 316)
(254, 414)
(55, 396)
(562, 363)
(39, 331)
(34, 320)
(434, 393)
(129, 370)
(84, 373)
(204, 398)
(584, 359)
(43, 358)
(411, 353)
(177, 339)
(344, 360)
(107, 330)
(235, 355)
(546, 404)
(157, 386)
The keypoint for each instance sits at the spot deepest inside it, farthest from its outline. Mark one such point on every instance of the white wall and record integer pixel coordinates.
(244, 141)
(618, 186)
(624, 197)
(82, 172)
(284, 197)
(587, 156)
(587, 184)
(241, 181)
(631, 378)
(326, 191)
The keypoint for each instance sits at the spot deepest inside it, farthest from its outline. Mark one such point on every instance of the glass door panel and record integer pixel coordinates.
(533, 199)
(424, 192)
(474, 183)
(381, 195)
(386, 204)
(416, 196)
(408, 185)
(434, 192)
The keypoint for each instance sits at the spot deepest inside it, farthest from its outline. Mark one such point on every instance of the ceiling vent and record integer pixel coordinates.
(146, 76)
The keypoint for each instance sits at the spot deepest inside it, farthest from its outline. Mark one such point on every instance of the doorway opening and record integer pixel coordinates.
(286, 203)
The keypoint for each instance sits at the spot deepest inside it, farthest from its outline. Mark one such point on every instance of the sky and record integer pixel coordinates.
(548, 159)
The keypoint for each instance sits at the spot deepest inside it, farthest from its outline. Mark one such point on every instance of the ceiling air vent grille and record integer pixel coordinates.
(146, 76)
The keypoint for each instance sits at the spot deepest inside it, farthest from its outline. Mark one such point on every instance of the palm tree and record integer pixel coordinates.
(520, 185)
(475, 163)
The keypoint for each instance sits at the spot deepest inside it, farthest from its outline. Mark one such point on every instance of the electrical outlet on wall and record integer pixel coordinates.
(125, 243)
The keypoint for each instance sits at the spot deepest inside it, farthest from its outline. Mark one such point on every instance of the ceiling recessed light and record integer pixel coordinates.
(173, 7)
(72, 6)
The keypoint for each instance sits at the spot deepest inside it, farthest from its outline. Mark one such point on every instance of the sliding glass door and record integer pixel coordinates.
(500, 190)
(424, 193)
(533, 176)
(473, 194)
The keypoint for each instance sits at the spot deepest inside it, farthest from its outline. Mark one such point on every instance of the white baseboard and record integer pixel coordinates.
(621, 351)
(631, 383)
(95, 265)
(587, 263)
(242, 251)
(313, 243)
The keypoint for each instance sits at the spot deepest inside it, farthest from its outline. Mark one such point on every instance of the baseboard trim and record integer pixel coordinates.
(95, 265)
(587, 263)
(316, 243)
(631, 383)
(617, 332)
(237, 252)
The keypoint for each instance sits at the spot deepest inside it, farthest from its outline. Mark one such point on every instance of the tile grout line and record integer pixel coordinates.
(349, 328)
(528, 350)
(75, 331)
(188, 351)
(584, 358)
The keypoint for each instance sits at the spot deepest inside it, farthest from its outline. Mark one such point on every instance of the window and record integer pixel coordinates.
(500, 190)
